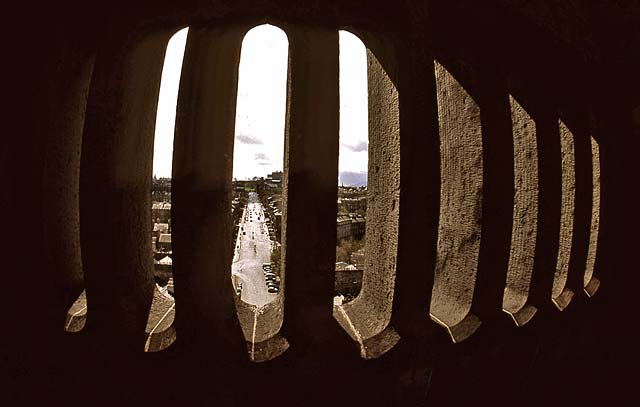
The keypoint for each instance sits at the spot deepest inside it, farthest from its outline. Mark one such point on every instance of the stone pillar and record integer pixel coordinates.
(366, 318)
(419, 195)
(61, 182)
(311, 193)
(460, 208)
(591, 282)
(525, 216)
(490, 91)
(578, 123)
(560, 294)
(549, 204)
(202, 192)
(115, 183)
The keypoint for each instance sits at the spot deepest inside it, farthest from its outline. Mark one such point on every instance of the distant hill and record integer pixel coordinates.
(352, 179)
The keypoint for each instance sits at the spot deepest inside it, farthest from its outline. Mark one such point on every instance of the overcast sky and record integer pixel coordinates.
(260, 113)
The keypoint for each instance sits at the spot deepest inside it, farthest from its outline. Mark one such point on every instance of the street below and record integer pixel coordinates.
(253, 247)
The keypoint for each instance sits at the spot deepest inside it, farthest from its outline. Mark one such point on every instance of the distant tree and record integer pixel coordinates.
(346, 247)
(341, 254)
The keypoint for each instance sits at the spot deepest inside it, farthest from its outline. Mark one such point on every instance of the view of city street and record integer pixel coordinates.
(252, 249)
(257, 200)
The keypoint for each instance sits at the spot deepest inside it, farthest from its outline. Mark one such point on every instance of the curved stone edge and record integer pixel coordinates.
(379, 344)
(525, 216)
(268, 319)
(460, 220)
(592, 287)
(264, 341)
(159, 341)
(559, 294)
(77, 314)
(463, 329)
(75, 323)
(522, 315)
(371, 347)
(160, 331)
(563, 300)
(595, 222)
(267, 350)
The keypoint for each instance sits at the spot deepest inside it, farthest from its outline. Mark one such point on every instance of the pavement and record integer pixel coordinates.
(253, 247)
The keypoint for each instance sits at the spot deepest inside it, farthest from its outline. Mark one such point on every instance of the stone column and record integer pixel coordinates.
(202, 191)
(115, 184)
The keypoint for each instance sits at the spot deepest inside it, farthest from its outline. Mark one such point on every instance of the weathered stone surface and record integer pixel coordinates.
(525, 215)
(160, 329)
(560, 295)
(369, 314)
(261, 328)
(589, 286)
(460, 202)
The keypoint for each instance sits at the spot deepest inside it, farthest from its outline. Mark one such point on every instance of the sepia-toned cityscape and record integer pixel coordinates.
(320, 203)
(257, 219)
(257, 200)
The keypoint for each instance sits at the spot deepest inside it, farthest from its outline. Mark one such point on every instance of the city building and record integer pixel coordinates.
(164, 243)
(352, 205)
(161, 212)
(160, 228)
(350, 226)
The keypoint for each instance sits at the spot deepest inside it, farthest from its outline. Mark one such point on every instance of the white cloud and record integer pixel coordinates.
(260, 112)
(261, 102)
(246, 139)
(361, 146)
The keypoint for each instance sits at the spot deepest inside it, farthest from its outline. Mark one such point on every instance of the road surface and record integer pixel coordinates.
(253, 247)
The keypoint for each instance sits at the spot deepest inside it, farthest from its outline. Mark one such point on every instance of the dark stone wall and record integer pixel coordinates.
(572, 59)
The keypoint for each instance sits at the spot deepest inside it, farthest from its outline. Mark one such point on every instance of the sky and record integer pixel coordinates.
(260, 111)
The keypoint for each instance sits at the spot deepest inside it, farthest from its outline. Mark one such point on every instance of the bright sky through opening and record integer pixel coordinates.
(260, 112)
(167, 100)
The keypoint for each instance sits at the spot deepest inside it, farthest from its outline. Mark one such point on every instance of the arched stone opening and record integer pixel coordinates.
(259, 136)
